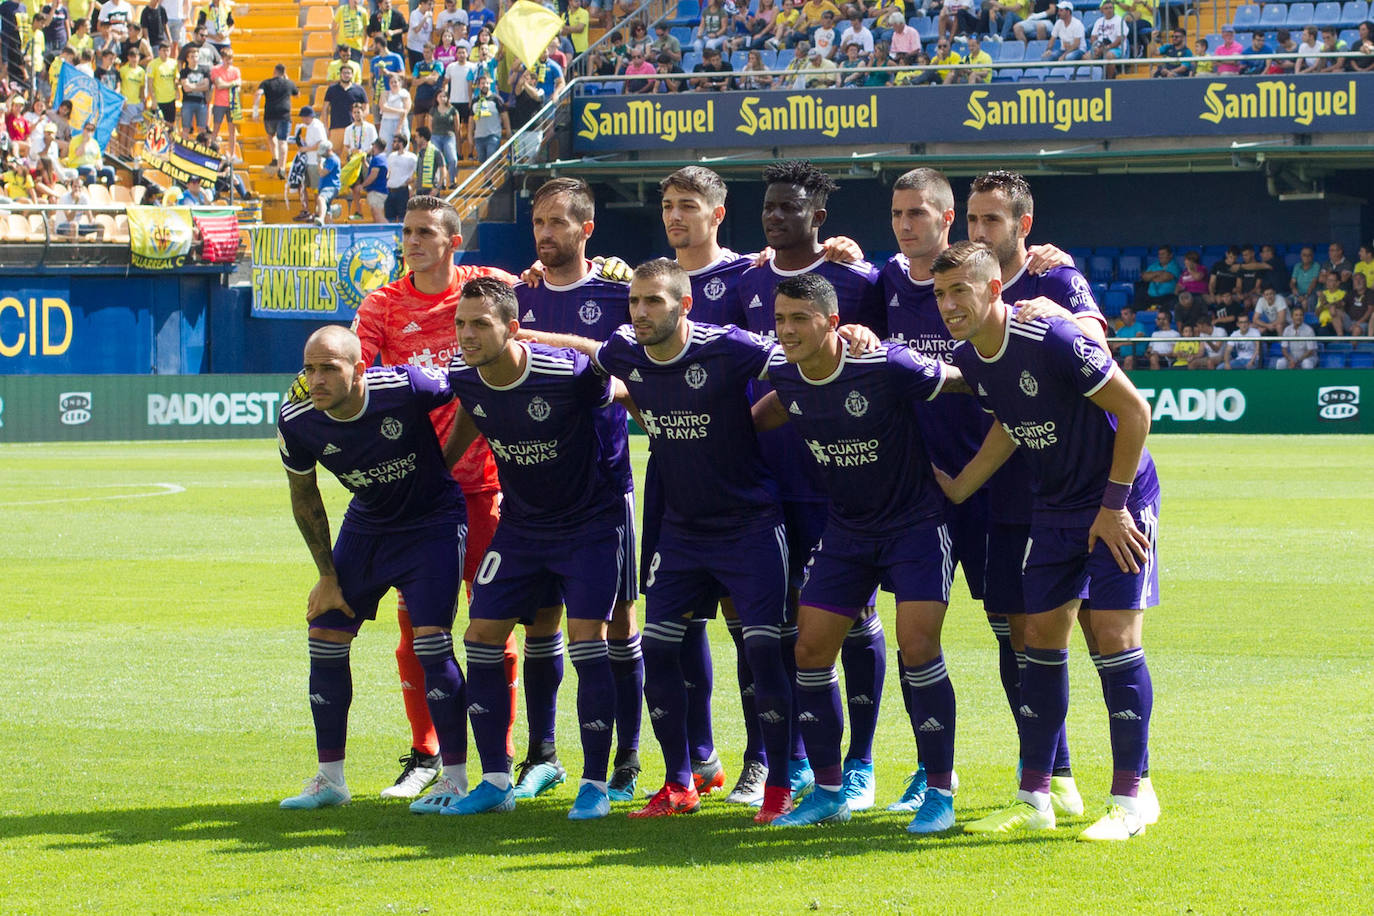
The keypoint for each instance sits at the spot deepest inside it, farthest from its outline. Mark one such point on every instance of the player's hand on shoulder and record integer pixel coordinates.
(325, 597)
(1040, 258)
(1115, 528)
(1040, 307)
(763, 257)
(299, 390)
(533, 275)
(843, 249)
(613, 269)
(861, 339)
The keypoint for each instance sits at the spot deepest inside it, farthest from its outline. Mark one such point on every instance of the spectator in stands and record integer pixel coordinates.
(395, 107)
(556, 55)
(359, 134)
(1271, 311)
(1213, 343)
(77, 219)
(1226, 310)
(526, 100)
(1190, 309)
(80, 38)
(1229, 47)
(915, 75)
(59, 23)
(1037, 25)
(638, 66)
(1363, 60)
(490, 121)
(400, 168)
(1365, 265)
(1203, 67)
(548, 74)
(452, 14)
(137, 40)
(1225, 274)
(116, 12)
(577, 23)
(1067, 38)
(1299, 346)
(18, 182)
(1310, 44)
(194, 78)
(1359, 305)
(343, 60)
(444, 123)
(206, 53)
(373, 182)
(1188, 350)
(1162, 341)
(61, 116)
(17, 128)
(853, 61)
(976, 55)
(664, 43)
(958, 17)
(330, 169)
(787, 20)
(429, 165)
(350, 26)
(107, 74)
(1283, 44)
(85, 156)
(1243, 349)
(1130, 328)
(1140, 25)
(390, 26)
(881, 58)
(795, 78)
(86, 63)
(904, 40)
(1003, 15)
(1302, 281)
(944, 56)
(667, 69)
(446, 51)
(824, 38)
(758, 25)
(460, 76)
(162, 76)
(713, 31)
(309, 135)
(1108, 39)
(1331, 44)
(133, 85)
(479, 17)
(276, 93)
(713, 63)
(418, 31)
(858, 33)
(218, 22)
(1258, 45)
(1161, 279)
(1337, 263)
(226, 81)
(638, 39)
(339, 100)
(427, 78)
(48, 187)
(1332, 320)
(811, 16)
(192, 194)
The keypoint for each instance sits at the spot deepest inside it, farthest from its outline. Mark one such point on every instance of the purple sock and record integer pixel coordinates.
(1044, 704)
(933, 719)
(331, 693)
(595, 704)
(1130, 699)
(789, 662)
(864, 657)
(698, 674)
(1097, 663)
(667, 697)
(446, 695)
(627, 667)
(1008, 665)
(821, 722)
(772, 698)
(488, 704)
(901, 679)
(543, 674)
(753, 737)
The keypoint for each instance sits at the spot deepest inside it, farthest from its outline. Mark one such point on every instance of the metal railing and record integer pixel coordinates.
(1327, 349)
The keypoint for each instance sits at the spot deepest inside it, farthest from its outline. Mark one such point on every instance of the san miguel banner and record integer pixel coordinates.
(159, 237)
(1010, 111)
(309, 272)
(174, 157)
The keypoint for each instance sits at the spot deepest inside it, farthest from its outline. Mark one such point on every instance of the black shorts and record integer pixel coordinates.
(464, 111)
(168, 111)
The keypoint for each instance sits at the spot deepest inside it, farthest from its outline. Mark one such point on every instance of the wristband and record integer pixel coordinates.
(1114, 497)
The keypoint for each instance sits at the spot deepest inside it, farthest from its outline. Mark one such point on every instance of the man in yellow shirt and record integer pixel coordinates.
(133, 85)
(576, 25)
(976, 55)
(163, 73)
(944, 56)
(344, 58)
(350, 27)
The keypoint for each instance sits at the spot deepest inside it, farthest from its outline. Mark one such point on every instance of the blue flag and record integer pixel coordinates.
(90, 99)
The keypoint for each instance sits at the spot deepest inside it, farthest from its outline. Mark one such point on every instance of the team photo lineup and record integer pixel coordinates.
(819, 428)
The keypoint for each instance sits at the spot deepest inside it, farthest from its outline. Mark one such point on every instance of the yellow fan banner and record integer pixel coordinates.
(159, 237)
(526, 29)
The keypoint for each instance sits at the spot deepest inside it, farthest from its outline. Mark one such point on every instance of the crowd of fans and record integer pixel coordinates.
(1196, 316)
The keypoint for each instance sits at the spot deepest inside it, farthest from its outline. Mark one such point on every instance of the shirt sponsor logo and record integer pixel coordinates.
(75, 407)
(847, 453)
(411, 328)
(1033, 435)
(676, 424)
(1093, 357)
(535, 451)
(387, 472)
(1338, 402)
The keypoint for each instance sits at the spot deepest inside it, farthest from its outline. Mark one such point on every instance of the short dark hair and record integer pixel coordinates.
(423, 131)
(805, 175)
(1011, 185)
(448, 214)
(697, 180)
(930, 182)
(976, 255)
(812, 288)
(679, 284)
(498, 292)
(580, 200)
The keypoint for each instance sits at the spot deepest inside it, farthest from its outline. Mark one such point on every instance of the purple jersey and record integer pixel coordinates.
(713, 289)
(592, 307)
(547, 451)
(387, 455)
(696, 410)
(954, 427)
(856, 287)
(1039, 384)
(861, 430)
(1009, 490)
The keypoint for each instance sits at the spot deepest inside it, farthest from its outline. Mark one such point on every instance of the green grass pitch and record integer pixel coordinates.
(153, 712)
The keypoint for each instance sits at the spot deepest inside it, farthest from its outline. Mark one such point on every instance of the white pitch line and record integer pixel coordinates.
(165, 489)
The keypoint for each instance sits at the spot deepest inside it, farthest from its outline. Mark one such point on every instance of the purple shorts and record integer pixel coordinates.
(687, 573)
(518, 575)
(1005, 559)
(805, 525)
(425, 565)
(917, 565)
(627, 587)
(652, 523)
(968, 532)
(1059, 569)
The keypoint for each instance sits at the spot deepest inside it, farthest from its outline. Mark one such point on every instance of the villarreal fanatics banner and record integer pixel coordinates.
(159, 237)
(997, 111)
(324, 273)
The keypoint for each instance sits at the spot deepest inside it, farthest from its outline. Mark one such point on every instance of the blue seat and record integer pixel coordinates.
(1011, 50)
(1361, 361)
(1060, 73)
(1351, 37)
(1088, 73)
(688, 13)
(1107, 251)
(1114, 302)
(925, 27)
(1310, 317)
(1246, 17)
(1291, 258)
(683, 34)
(1128, 267)
(1126, 288)
(1138, 251)
(994, 49)
(738, 59)
(1034, 49)
(1300, 14)
(1034, 74)
(1214, 42)
(1100, 269)
(1327, 13)
(1274, 16)
(1007, 75)
(612, 88)
(1354, 12)
(1213, 253)
(689, 60)
(1089, 20)
(1080, 261)
(1333, 360)
(772, 60)
(1099, 291)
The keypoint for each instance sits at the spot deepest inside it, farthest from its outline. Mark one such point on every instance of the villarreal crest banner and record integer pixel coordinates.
(159, 237)
(176, 158)
(90, 99)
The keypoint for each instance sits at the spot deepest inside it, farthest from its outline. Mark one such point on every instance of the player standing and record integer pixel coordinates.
(1058, 396)
(575, 299)
(561, 529)
(885, 525)
(794, 209)
(411, 321)
(404, 528)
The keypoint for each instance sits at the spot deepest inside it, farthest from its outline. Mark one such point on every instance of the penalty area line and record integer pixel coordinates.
(163, 489)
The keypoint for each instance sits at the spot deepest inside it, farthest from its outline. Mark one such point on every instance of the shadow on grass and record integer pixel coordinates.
(537, 834)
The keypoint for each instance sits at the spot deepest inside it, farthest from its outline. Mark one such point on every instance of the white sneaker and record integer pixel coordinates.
(419, 770)
(1147, 802)
(1120, 823)
(443, 793)
(319, 792)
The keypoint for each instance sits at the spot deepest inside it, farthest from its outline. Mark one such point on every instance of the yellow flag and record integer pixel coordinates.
(526, 30)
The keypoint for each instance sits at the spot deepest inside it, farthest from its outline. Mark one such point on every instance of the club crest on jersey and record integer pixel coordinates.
(1029, 385)
(539, 409)
(1092, 356)
(714, 288)
(590, 313)
(695, 376)
(392, 428)
(856, 404)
